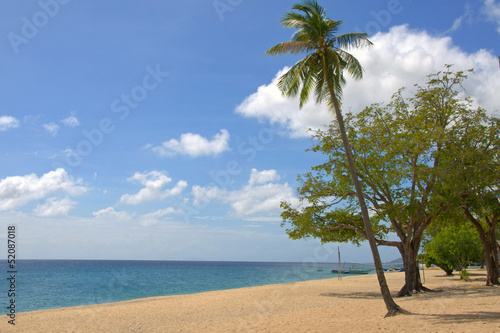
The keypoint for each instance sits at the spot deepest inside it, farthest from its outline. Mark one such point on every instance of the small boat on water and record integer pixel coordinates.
(353, 271)
(355, 268)
(394, 269)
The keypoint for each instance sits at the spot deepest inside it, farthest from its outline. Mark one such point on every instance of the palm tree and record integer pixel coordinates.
(323, 70)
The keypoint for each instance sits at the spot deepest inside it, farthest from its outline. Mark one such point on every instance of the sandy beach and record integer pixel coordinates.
(353, 304)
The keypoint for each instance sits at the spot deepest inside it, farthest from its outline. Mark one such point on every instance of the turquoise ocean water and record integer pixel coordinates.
(48, 284)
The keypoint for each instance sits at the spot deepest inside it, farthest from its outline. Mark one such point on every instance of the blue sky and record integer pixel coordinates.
(154, 130)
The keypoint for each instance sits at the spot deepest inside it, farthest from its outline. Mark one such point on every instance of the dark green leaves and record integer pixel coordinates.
(322, 70)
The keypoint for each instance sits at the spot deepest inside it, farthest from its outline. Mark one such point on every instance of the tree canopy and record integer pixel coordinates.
(454, 247)
(402, 151)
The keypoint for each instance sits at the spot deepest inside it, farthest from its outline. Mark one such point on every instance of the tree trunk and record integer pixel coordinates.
(491, 260)
(489, 248)
(413, 284)
(392, 307)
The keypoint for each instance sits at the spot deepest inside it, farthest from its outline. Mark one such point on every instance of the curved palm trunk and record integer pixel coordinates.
(392, 307)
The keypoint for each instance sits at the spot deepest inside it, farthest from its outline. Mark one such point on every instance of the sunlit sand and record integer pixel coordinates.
(353, 304)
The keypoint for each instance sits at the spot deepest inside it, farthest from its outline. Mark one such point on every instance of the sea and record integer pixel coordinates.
(50, 284)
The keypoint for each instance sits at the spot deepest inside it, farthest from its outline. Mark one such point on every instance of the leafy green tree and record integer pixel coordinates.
(454, 248)
(398, 157)
(322, 72)
(470, 179)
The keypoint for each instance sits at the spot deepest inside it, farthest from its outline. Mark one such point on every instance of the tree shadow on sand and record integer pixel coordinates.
(479, 276)
(462, 318)
(443, 292)
(357, 295)
(446, 294)
(461, 292)
(455, 291)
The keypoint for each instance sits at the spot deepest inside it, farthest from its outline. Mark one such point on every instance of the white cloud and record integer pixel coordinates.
(52, 128)
(54, 207)
(17, 191)
(156, 217)
(110, 214)
(194, 145)
(456, 25)
(265, 198)
(268, 104)
(262, 177)
(71, 121)
(153, 182)
(492, 10)
(403, 57)
(8, 122)
(398, 58)
(259, 196)
(203, 195)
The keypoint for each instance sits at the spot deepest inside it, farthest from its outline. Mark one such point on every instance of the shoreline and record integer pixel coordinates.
(353, 303)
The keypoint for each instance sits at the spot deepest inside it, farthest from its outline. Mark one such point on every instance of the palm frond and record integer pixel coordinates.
(310, 23)
(321, 89)
(308, 80)
(310, 7)
(294, 20)
(290, 82)
(353, 40)
(292, 47)
(321, 72)
(334, 72)
(334, 26)
(352, 64)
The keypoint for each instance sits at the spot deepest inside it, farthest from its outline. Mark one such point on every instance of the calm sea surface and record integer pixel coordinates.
(48, 284)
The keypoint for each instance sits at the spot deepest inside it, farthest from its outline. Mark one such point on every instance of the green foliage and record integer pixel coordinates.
(464, 275)
(322, 69)
(471, 162)
(397, 152)
(454, 247)
(469, 179)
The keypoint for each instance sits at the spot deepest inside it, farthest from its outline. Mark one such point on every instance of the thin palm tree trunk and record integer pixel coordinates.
(392, 307)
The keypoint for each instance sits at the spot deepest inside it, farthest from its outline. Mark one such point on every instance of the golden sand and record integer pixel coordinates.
(353, 304)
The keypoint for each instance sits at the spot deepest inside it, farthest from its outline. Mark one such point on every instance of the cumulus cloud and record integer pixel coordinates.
(262, 177)
(264, 198)
(111, 214)
(268, 104)
(403, 57)
(260, 196)
(8, 122)
(52, 128)
(492, 10)
(194, 145)
(398, 58)
(204, 195)
(154, 183)
(71, 121)
(54, 207)
(17, 191)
